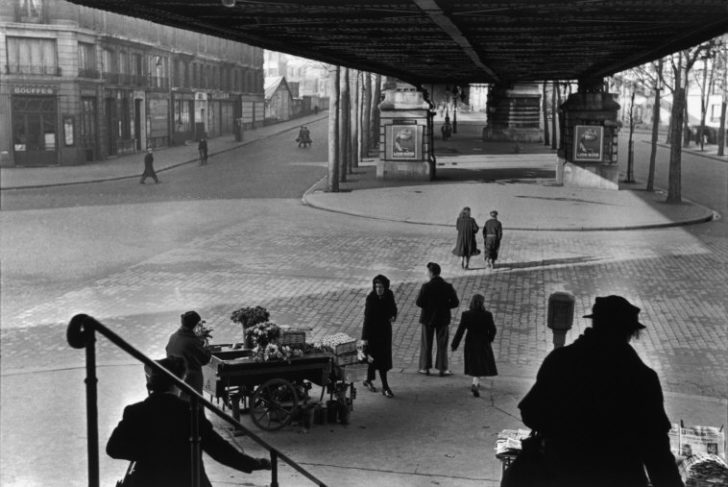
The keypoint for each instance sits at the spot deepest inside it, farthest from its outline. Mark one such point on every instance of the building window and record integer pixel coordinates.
(31, 10)
(27, 55)
(87, 60)
(715, 113)
(108, 61)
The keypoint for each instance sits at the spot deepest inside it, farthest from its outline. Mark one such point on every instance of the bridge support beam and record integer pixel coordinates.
(514, 113)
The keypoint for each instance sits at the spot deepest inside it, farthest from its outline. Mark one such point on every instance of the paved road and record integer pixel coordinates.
(235, 233)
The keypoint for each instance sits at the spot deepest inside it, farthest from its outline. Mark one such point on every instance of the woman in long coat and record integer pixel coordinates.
(465, 245)
(479, 358)
(380, 312)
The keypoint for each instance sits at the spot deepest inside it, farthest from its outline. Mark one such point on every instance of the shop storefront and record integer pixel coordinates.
(183, 114)
(157, 120)
(35, 125)
(121, 115)
(87, 137)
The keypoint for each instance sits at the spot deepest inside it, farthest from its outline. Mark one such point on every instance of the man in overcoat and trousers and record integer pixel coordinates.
(185, 344)
(436, 298)
(600, 409)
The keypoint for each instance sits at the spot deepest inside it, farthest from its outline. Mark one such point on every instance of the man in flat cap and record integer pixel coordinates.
(185, 344)
(155, 434)
(600, 409)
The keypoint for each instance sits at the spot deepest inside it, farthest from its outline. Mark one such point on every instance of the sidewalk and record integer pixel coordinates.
(131, 166)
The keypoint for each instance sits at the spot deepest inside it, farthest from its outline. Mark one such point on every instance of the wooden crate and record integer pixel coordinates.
(292, 337)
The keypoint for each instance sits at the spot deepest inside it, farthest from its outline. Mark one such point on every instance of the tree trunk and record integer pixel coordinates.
(674, 175)
(655, 129)
(545, 108)
(554, 109)
(686, 118)
(355, 95)
(366, 114)
(344, 126)
(704, 94)
(374, 112)
(333, 173)
(557, 115)
(721, 129)
(630, 143)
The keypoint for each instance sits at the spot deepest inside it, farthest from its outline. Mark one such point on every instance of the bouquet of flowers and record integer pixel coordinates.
(203, 333)
(262, 334)
(249, 317)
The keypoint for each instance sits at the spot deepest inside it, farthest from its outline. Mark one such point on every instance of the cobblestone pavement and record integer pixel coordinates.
(313, 269)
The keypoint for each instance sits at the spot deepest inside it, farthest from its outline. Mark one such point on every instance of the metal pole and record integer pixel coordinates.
(195, 441)
(274, 468)
(92, 413)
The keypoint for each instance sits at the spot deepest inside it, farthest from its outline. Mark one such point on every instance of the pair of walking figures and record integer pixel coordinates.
(466, 245)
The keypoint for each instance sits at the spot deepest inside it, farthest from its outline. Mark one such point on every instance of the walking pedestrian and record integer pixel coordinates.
(436, 298)
(466, 244)
(591, 397)
(149, 167)
(492, 233)
(185, 344)
(480, 327)
(380, 312)
(202, 149)
(446, 129)
(155, 435)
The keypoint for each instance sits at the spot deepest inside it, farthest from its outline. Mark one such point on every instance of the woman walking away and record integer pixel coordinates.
(380, 312)
(466, 245)
(479, 358)
(492, 233)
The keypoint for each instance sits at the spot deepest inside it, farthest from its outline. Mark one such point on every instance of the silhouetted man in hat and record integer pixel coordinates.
(600, 408)
(185, 344)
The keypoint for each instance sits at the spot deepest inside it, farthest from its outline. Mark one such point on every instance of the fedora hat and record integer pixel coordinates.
(617, 311)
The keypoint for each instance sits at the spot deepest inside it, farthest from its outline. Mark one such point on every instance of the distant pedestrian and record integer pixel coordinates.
(480, 327)
(184, 343)
(598, 384)
(380, 312)
(492, 233)
(446, 129)
(149, 167)
(436, 298)
(466, 244)
(202, 149)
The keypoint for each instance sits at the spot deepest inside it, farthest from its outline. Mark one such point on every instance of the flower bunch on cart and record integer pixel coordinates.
(262, 334)
(249, 317)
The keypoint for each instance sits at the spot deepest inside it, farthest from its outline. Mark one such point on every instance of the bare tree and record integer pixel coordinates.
(355, 120)
(724, 100)
(705, 83)
(333, 173)
(655, 127)
(366, 114)
(554, 110)
(344, 119)
(374, 112)
(545, 109)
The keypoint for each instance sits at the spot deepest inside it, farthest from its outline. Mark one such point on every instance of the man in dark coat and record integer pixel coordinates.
(380, 311)
(492, 233)
(202, 149)
(436, 298)
(184, 344)
(600, 408)
(155, 434)
(149, 167)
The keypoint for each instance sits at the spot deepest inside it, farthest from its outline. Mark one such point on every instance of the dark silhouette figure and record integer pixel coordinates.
(466, 244)
(446, 129)
(304, 137)
(480, 327)
(202, 149)
(184, 344)
(436, 298)
(492, 234)
(600, 409)
(380, 312)
(149, 168)
(155, 434)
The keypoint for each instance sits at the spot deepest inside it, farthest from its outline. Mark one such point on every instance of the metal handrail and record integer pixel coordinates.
(80, 334)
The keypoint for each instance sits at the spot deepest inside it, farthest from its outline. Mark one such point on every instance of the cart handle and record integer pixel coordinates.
(81, 334)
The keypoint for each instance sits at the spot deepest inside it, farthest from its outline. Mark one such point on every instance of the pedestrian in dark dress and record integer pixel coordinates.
(466, 244)
(492, 233)
(436, 298)
(149, 167)
(155, 435)
(202, 149)
(380, 312)
(185, 344)
(480, 327)
(446, 129)
(600, 409)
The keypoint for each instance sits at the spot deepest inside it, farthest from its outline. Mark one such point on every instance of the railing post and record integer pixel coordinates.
(195, 441)
(92, 408)
(273, 468)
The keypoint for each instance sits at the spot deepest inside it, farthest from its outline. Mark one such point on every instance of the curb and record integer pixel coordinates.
(166, 168)
(712, 215)
(695, 153)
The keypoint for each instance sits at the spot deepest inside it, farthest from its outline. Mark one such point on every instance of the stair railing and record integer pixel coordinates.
(81, 333)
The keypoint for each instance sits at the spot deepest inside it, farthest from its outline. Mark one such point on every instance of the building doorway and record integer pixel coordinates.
(35, 130)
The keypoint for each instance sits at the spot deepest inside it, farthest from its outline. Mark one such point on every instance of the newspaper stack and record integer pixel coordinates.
(508, 442)
(703, 470)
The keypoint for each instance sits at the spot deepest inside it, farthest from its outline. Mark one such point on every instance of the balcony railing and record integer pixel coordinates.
(88, 73)
(158, 83)
(34, 69)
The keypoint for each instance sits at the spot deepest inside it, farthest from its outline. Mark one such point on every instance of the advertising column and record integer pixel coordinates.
(201, 114)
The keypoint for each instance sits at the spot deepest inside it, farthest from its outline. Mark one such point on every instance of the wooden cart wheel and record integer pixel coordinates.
(273, 404)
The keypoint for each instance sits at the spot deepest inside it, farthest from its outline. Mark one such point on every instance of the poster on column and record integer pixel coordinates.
(588, 143)
(404, 142)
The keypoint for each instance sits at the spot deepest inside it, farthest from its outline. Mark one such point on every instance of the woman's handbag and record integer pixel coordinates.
(128, 480)
(529, 469)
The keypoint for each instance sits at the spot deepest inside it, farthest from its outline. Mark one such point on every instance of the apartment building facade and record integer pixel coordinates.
(80, 85)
